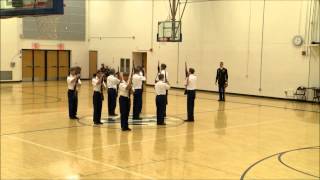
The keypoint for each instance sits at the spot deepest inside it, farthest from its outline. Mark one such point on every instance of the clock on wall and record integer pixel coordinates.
(297, 40)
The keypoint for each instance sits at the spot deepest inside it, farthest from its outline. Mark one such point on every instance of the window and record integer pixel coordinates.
(125, 65)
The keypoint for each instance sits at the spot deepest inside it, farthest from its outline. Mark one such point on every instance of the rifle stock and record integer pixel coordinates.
(155, 80)
(132, 72)
(101, 88)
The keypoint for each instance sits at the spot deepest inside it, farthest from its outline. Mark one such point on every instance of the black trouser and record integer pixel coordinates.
(124, 103)
(112, 101)
(137, 103)
(222, 91)
(191, 95)
(73, 103)
(161, 106)
(97, 106)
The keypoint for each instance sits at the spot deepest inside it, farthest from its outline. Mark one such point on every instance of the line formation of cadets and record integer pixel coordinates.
(125, 84)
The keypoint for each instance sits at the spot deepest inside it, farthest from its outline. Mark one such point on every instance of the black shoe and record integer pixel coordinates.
(113, 114)
(126, 129)
(137, 118)
(187, 120)
(98, 123)
(76, 118)
(161, 124)
(219, 100)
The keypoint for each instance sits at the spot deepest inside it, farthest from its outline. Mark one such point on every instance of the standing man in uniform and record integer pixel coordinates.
(124, 101)
(165, 79)
(161, 88)
(98, 86)
(112, 83)
(73, 81)
(137, 81)
(222, 80)
(191, 85)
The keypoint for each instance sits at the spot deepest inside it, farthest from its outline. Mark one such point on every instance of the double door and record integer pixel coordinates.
(45, 65)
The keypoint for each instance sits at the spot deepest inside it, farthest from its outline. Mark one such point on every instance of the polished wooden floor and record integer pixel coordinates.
(243, 138)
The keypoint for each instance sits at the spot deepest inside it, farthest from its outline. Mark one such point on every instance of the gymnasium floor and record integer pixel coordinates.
(243, 138)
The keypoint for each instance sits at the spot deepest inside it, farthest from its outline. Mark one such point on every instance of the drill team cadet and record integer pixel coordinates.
(191, 85)
(73, 81)
(161, 88)
(98, 86)
(222, 80)
(137, 82)
(112, 83)
(124, 101)
(165, 77)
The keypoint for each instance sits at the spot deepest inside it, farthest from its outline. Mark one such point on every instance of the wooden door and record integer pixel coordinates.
(39, 65)
(93, 60)
(52, 65)
(27, 65)
(63, 61)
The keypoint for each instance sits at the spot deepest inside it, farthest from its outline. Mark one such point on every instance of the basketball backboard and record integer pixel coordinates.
(21, 8)
(169, 31)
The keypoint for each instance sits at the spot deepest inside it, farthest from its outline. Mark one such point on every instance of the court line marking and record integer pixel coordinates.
(81, 157)
(89, 125)
(178, 135)
(40, 130)
(268, 157)
(292, 168)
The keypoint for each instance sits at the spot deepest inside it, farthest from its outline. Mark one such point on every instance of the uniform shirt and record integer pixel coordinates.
(191, 82)
(72, 84)
(161, 88)
(222, 75)
(137, 81)
(96, 86)
(112, 82)
(123, 89)
(141, 73)
(165, 73)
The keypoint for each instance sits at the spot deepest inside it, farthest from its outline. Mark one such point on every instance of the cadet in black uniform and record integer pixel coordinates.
(222, 80)
(98, 86)
(161, 88)
(124, 101)
(73, 81)
(191, 85)
(112, 83)
(137, 83)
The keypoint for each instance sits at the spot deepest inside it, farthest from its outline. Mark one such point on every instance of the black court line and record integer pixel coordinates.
(273, 155)
(141, 125)
(91, 125)
(40, 130)
(57, 99)
(295, 169)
